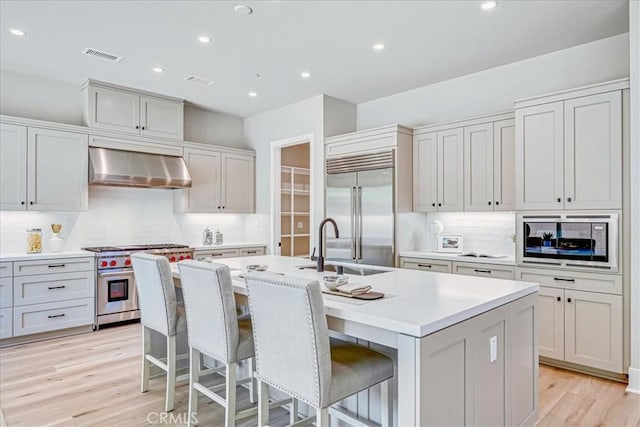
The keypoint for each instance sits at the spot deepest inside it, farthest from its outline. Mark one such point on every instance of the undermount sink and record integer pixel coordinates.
(347, 269)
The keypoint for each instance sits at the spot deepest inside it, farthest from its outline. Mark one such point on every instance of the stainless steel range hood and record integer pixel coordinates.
(133, 169)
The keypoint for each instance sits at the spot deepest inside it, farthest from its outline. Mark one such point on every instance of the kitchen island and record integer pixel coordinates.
(465, 347)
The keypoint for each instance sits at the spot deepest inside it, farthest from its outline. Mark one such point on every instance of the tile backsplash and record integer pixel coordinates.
(487, 232)
(125, 216)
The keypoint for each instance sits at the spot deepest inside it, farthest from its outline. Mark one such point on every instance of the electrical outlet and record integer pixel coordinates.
(300, 225)
(493, 349)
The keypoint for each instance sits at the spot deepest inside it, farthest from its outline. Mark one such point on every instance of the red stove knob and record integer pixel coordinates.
(172, 259)
(127, 261)
(181, 257)
(103, 264)
(188, 256)
(113, 263)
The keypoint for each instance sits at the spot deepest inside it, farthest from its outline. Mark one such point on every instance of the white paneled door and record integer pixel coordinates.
(13, 164)
(478, 168)
(451, 170)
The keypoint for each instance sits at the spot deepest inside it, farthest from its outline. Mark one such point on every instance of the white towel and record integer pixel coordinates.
(354, 288)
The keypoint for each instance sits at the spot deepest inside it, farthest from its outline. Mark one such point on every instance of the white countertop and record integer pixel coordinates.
(505, 260)
(200, 247)
(18, 256)
(418, 303)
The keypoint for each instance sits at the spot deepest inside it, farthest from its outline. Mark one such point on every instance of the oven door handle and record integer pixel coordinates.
(114, 273)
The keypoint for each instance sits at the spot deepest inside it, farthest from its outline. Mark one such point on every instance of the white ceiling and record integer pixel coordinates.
(426, 42)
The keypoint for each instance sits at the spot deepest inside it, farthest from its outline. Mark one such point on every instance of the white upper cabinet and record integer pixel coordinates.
(569, 150)
(504, 165)
(478, 171)
(425, 172)
(13, 164)
(593, 151)
(540, 157)
(43, 170)
(122, 109)
(238, 181)
(450, 170)
(221, 182)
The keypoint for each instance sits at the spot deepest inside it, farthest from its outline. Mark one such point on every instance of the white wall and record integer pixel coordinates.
(34, 97)
(494, 90)
(119, 216)
(634, 31)
(339, 116)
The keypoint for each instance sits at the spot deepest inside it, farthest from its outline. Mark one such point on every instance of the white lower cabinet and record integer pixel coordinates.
(31, 319)
(207, 254)
(484, 270)
(51, 287)
(252, 251)
(6, 322)
(425, 264)
(580, 316)
(6, 292)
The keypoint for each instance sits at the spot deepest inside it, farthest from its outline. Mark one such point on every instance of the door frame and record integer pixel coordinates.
(274, 199)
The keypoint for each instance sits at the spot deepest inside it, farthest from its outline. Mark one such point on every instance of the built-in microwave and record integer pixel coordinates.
(568, 240)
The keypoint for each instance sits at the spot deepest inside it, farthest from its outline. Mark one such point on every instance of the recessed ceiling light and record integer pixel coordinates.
(243, 9)
(204, 39)
(17, 32)
(378, 46)
(253, 94)
(487, 5)
(305, 74)
(158, 69)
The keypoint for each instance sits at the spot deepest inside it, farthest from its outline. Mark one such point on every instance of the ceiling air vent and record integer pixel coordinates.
(102, 55)
(201, 80)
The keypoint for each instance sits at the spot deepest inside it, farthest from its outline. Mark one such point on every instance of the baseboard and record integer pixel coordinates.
(634, 381)
(584, 369)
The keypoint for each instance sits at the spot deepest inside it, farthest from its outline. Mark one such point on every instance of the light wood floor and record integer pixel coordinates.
(93, 380)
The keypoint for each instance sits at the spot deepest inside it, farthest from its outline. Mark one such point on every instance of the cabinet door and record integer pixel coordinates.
(504, 165)
(57, 170)
(450, 170)
(238, 183)
(478, 167)
(425, 172)
(593, 330)
(540, 157)
(113, 109)
(593, 151)
(6, 322)
(204, 194)
(13, 167)
(160, 117)
(551, 323)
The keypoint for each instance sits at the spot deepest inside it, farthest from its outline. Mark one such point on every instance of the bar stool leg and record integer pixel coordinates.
(230, 404)
(386, 404)
(263, 404)
(146, 347)
(171, 373)
(293, 411)
(322, 417)
(253, 389)
(194, 377)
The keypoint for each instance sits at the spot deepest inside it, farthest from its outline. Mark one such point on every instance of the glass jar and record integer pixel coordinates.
(34, 240)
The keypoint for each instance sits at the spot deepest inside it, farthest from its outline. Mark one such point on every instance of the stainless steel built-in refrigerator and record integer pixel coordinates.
(360, 197)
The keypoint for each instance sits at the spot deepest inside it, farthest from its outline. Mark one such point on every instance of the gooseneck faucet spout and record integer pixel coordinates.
(321, 239)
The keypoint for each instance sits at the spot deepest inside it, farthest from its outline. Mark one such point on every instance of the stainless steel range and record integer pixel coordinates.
(116, 295)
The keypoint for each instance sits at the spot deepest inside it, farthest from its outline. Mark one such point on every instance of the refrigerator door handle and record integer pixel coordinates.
(352, 215)
(359, 233)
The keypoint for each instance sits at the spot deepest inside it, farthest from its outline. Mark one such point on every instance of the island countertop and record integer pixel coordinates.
(417, 303)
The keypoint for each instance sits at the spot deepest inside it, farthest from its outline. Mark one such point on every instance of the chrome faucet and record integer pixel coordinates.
(321, 239)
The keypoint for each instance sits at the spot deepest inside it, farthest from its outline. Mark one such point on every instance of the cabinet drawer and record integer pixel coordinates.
(6, 292)
(6, 322)
(438, 266)
(222, 253)
(36, 318)
(484, 270)
(251, 251)
(52, 287)
(606, 283)
(47, 266)
(6, 269)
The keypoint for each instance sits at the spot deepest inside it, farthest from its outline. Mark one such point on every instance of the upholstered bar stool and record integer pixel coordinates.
(215, 330)
(159, 311)
(294, 353)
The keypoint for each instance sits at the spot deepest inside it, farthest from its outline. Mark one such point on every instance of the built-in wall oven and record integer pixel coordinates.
(568, 240)
(116, 294)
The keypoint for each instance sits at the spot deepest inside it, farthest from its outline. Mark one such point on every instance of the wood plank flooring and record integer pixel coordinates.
(93, 380)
